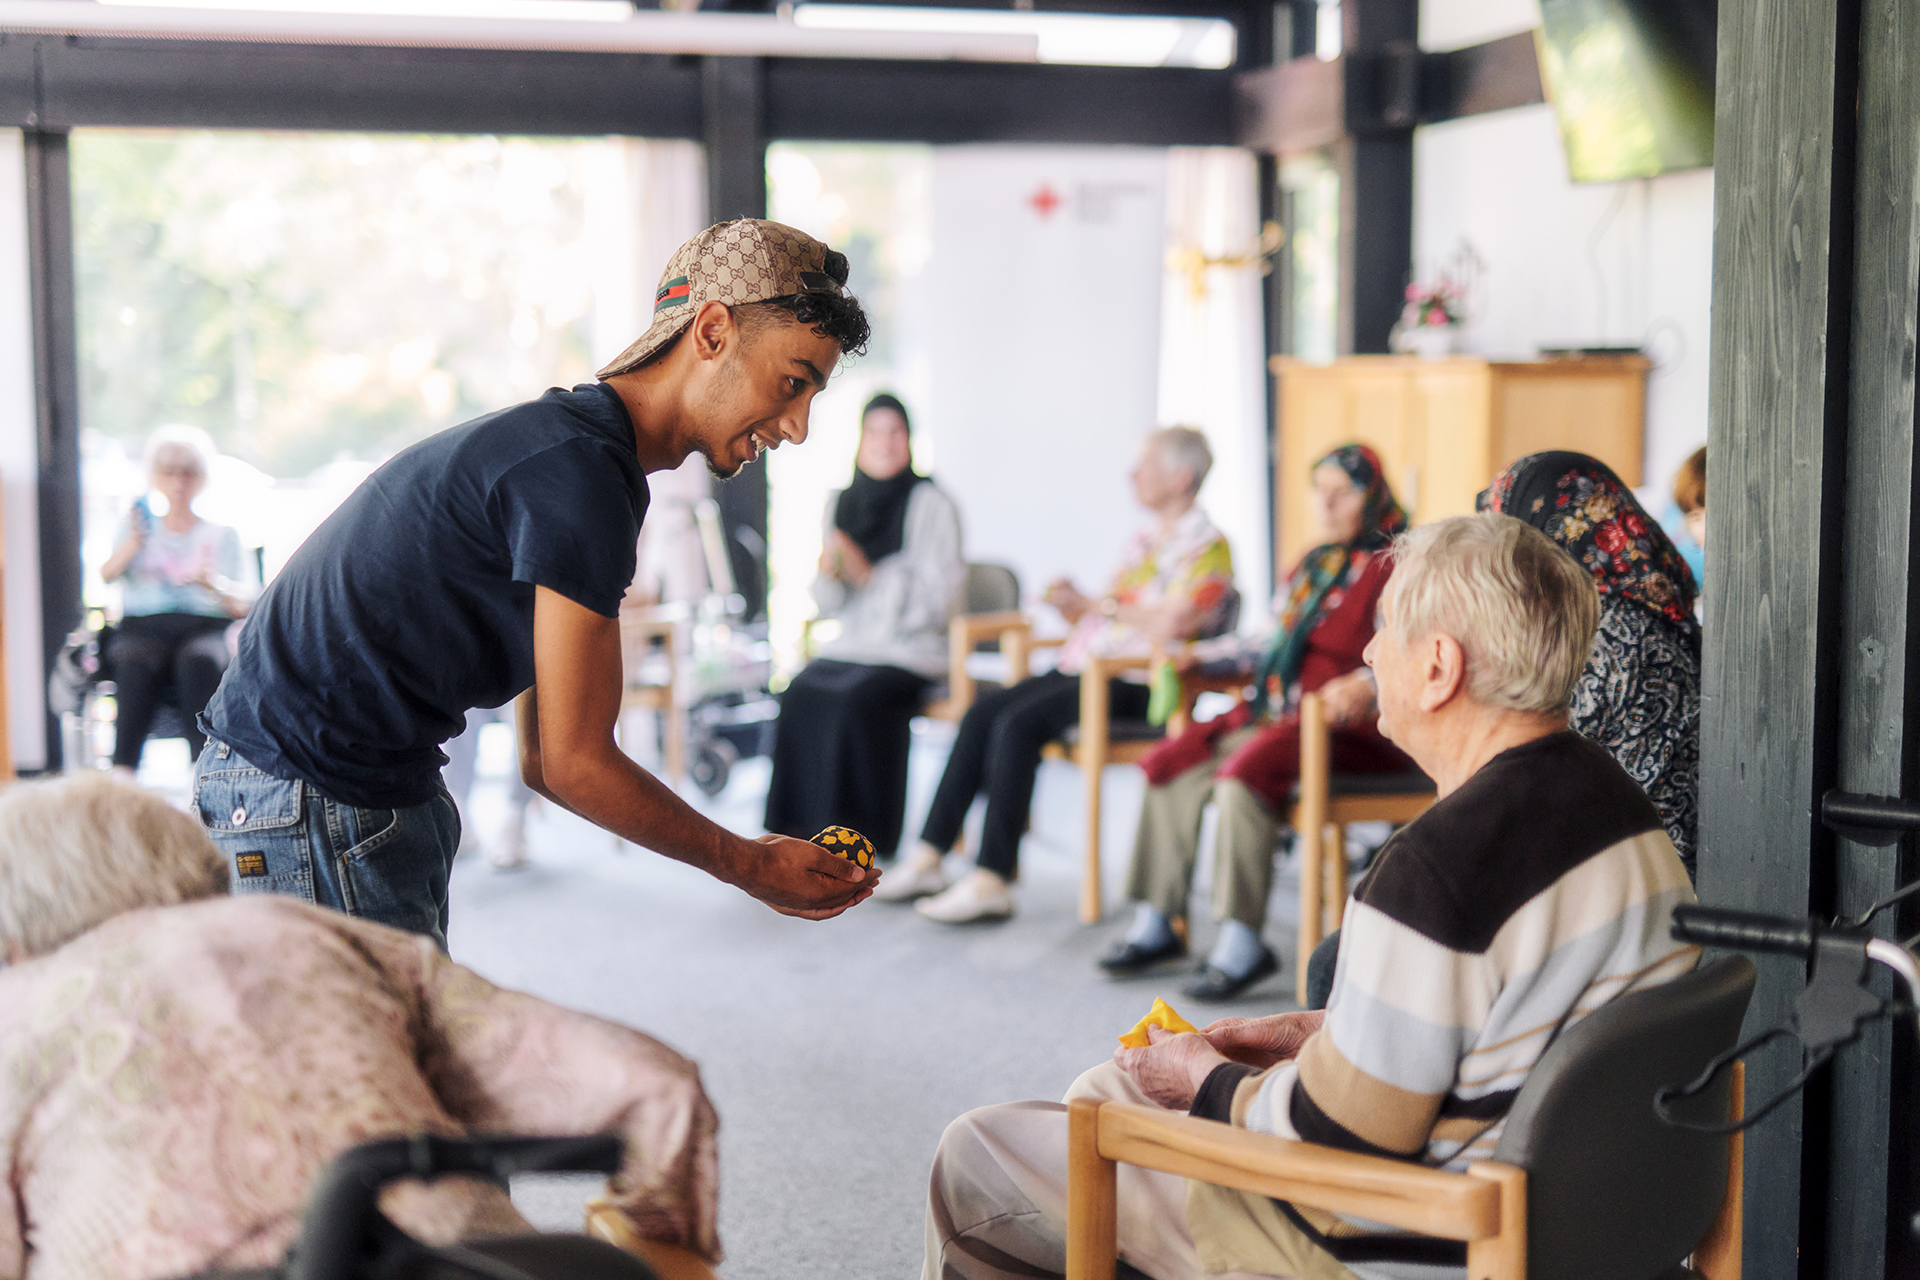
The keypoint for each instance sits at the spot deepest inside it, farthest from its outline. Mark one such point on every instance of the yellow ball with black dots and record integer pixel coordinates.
(845, 842)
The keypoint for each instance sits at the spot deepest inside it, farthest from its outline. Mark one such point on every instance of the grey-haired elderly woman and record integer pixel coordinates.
(180, 576)
(176, 1064)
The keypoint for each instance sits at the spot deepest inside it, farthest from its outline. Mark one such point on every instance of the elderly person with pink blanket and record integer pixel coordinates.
(177, 1065)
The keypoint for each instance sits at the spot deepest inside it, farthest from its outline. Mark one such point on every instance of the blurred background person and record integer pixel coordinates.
(181, 590)
(1686, 522)
(1248, 760)
(1175, 583)
(890, 574)
(507, 851)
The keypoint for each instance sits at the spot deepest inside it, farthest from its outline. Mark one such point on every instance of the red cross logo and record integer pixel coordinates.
(1045, 201)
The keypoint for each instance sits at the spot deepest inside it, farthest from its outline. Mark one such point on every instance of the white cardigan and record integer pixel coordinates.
(899, 619)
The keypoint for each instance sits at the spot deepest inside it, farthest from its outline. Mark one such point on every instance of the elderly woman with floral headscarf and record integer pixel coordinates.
(1248, 760)
(1640, 694)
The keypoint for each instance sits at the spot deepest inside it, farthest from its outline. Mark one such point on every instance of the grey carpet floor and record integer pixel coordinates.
(836, 1052)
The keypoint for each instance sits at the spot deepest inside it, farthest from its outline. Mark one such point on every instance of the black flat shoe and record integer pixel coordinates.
(1127, 958)
(1213, 986)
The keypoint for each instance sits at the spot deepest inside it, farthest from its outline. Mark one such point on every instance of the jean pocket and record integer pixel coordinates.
(259, 822)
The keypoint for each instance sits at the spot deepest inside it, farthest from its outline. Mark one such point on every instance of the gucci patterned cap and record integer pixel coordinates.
(749, 260)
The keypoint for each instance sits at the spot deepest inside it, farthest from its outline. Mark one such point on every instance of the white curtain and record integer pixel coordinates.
(1213, 348)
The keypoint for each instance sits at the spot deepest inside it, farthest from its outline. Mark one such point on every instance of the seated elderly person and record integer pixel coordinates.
(1173, 584)
(1536, 889)
(890, 573)
(1247, 761)
(179, 1064)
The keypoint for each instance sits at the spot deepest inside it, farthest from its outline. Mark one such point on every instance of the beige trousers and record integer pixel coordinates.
(997, 1199)
(1167, 843)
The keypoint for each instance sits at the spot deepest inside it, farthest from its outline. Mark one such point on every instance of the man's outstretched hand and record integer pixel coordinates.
(799, 878)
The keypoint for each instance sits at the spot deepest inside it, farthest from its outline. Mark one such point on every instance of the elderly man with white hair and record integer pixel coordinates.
(176, 1065)
(1537, 888)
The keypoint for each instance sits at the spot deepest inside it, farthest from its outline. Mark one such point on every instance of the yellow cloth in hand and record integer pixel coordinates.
(1162, 1016)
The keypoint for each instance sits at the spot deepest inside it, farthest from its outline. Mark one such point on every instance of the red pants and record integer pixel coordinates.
(1269, 764)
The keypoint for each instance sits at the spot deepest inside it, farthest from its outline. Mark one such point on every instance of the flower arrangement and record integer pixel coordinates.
(1438, 303)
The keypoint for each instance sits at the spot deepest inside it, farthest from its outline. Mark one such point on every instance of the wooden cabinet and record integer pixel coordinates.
(1445, 427)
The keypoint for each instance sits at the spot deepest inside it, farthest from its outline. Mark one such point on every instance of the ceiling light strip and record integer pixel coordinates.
(647, 31)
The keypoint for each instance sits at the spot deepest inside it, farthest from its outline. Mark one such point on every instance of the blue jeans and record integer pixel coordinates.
(388, 865)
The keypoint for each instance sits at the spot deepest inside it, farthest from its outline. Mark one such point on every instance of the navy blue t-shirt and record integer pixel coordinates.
(413, 603)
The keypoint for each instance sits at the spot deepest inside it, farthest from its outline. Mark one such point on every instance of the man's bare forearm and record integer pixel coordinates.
(611, 791)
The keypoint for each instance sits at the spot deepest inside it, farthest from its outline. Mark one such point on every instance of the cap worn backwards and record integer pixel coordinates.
(740, 262)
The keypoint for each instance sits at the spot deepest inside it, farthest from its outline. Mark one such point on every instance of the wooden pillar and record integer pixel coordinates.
(1782, 314)
(1376, 174)
(733, 94)
(56, 386)
(1867, 1202)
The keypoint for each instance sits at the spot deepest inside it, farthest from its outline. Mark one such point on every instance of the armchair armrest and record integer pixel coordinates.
(1195, 683)
(966, 632)
(1486, 1207)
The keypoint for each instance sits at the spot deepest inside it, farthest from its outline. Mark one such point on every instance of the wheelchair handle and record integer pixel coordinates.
(1868, 819)
(343, 1226)
(1745, 931)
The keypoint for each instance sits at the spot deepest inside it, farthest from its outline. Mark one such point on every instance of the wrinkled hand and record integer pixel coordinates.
(1263, 1042)
(1349, 698)
(799, 878)
(1068, 600)
(1171, 1069)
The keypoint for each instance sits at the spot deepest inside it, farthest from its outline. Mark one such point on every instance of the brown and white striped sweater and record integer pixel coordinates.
(1523, 901)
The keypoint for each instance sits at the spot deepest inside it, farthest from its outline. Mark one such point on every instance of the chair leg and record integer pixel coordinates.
(676, 744)
(1504, 1257)
(1718, 1257)
(1090, 895)
(1311, 844)
(1093, 1227)
(1336, 875)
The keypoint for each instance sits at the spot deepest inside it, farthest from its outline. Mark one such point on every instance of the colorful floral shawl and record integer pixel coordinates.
(1581, 504)
(1325, 567)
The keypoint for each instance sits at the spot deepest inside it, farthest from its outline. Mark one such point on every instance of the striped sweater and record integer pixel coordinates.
(1528, 898)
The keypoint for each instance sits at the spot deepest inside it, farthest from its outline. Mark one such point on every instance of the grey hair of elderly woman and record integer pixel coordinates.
(77, 850)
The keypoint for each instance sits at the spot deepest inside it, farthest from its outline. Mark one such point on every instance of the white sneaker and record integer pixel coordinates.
(905, 883)
(981, 896)
(509, 852)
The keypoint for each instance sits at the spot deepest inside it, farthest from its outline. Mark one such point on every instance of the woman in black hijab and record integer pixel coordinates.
(890, 572)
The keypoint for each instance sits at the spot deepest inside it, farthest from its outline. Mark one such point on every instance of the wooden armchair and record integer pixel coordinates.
(1325, 802)
(649, 651)
(1586, 1180)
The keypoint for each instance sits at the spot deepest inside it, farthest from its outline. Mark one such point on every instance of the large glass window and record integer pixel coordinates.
(873, 203)
(1310, 196)
(316, 302)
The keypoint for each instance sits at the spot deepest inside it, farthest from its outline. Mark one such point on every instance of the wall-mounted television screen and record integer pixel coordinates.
(1632, 84)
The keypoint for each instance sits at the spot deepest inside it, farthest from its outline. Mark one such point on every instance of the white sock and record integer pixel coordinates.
(1150, 929)
(1237, 950)
(924, 858)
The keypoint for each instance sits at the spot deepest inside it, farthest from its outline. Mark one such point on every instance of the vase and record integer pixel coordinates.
(1430, 341)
